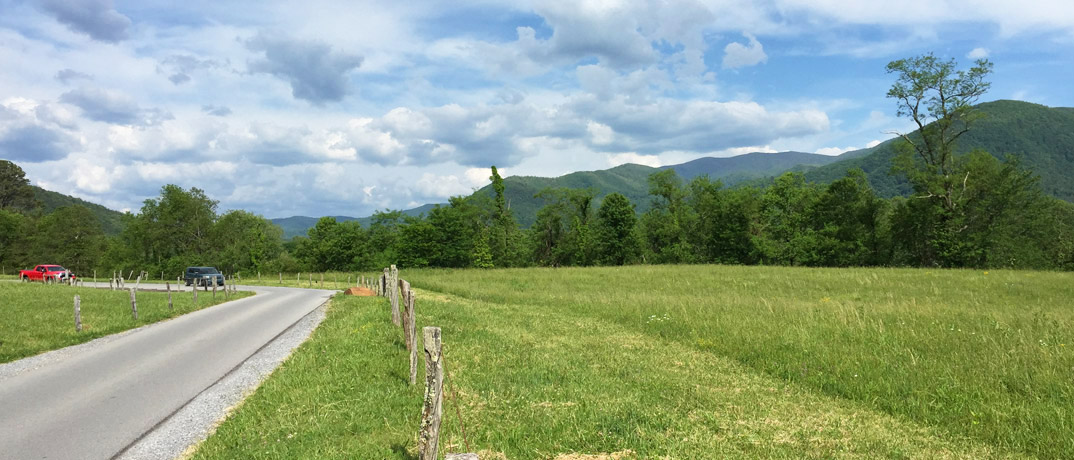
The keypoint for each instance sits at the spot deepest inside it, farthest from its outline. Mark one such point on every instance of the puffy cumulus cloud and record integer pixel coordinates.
(631, 157)
(618, 34)
(96, 18)
(29, 132)
(441, 187)
(873, 143)
(737, 55)
(978, 53)
(665, 124)
(113, 107)
(315, 72)
(480, 177)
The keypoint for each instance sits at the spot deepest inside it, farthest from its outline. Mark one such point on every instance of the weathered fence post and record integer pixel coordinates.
(195, 294)
(168, 286)
(322, 280)
(214, 291)
(258, 277)
(393, 294)
(134, 305)
(227, 289)
(281, 278)
(411, 331)
(95, 278)
(429, 436)
(78, 314)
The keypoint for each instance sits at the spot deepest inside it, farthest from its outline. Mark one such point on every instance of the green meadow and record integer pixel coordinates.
(36, 317)
(688, 362)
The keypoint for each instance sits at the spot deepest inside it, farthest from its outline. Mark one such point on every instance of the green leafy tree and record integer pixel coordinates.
(506, 241)
(669, 222)
(70, 236)
(177, 226)
(15, 191)
(246, 241)
(615, 232)
(939, 99)
(846, 217)
(785, 234)
(561, 234)
(15, 231)
(725, 221)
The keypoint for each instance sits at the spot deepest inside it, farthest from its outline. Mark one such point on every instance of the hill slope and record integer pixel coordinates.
(1042, 137)
(111, 221)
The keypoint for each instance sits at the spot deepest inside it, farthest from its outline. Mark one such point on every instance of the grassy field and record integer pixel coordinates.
(35, 318)
(690, 362)
(326, 280)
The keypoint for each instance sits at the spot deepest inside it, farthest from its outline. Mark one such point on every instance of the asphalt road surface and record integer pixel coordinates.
(94, 403)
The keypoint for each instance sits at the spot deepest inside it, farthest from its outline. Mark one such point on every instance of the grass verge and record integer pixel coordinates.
(35, 317)
(567, 363)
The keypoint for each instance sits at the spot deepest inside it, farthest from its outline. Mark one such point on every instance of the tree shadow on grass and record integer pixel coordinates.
(400, 449)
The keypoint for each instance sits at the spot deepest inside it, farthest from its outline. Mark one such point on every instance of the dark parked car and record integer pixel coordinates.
(203, 276)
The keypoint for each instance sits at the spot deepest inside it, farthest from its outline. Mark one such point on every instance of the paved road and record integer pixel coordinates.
(93, 404)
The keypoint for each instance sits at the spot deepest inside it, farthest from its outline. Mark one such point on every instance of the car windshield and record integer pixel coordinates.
(210, 271)
(56, 268)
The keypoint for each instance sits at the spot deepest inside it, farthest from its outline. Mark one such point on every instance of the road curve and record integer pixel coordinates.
(92, 404)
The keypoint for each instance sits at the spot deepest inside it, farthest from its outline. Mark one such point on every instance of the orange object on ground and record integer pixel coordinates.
(359, 291)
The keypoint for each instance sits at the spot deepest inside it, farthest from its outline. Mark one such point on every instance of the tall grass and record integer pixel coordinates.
(687, 362)
(989, 355)
(35, 317)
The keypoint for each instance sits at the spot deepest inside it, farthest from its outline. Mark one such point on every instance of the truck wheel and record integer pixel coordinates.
(26, 279)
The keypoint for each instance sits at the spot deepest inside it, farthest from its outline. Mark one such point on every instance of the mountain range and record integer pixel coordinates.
(1041, 137)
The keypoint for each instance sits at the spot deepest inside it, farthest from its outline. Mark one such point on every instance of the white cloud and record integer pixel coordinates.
(631, 157)
(832, 151)
(873, 143)
(737, 55)
(978, 53)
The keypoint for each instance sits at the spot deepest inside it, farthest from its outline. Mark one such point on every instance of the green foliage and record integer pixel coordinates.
(15, 191)
(69, 234)
(616, 237)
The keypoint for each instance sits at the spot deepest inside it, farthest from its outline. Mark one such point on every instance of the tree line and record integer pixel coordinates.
(968, 210)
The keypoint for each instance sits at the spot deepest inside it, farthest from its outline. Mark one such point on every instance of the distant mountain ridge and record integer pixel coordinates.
(629, 179)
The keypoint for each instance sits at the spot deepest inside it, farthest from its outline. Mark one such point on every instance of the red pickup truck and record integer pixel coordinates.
(46, 273)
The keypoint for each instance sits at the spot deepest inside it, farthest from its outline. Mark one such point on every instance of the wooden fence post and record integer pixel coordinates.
(134, 305)
(412, 331)
(281, 278)
(311, 280)
(95, 278)
(195, 294)
(429, 436)
(168, 286)
(78, 313)
(214, 290)
(393, 294)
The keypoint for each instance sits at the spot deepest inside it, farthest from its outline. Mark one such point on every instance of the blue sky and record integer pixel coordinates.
(344, 107)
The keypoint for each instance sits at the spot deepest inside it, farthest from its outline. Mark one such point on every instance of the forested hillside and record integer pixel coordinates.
(1041, 137)
(111, 221)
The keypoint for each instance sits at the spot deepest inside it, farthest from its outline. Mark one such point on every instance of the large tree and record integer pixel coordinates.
(939, 98)
(617, 242)
(15, 191)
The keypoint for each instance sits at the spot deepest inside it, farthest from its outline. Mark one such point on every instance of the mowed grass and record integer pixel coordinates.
(687, 362)
(35, 317)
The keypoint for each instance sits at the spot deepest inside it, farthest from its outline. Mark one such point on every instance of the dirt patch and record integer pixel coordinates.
(360, 291)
